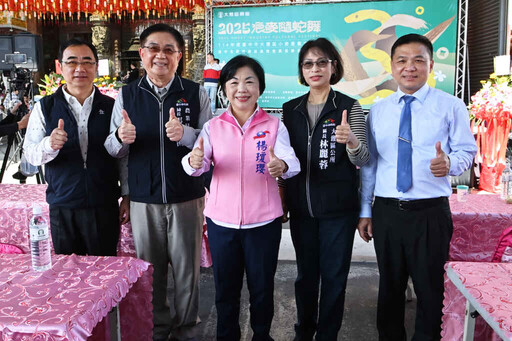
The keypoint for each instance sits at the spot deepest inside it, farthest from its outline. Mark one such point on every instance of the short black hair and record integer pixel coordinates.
(209, 54)
(330, 51)
(229, 70)
(216, 60)
(413, 38)
(76, 42)
(160, 27)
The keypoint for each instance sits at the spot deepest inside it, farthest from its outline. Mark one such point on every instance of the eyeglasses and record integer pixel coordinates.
(321, 63)
(156, 49)
(75, 63)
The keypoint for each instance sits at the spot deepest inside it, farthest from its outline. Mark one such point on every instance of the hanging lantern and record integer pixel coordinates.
(66, 9)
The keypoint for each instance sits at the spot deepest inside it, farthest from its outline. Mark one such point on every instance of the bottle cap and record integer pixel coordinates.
(36, 209)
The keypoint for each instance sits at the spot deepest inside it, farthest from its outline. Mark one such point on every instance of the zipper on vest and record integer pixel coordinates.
(241, 180)
(308, 171)
(162, 157)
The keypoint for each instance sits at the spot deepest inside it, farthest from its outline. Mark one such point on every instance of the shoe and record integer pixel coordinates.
(19, 176)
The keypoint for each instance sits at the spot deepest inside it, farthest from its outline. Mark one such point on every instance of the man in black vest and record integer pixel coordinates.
(155, 122)
(66, 133)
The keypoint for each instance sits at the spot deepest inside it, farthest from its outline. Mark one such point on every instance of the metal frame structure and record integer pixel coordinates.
(461, 67)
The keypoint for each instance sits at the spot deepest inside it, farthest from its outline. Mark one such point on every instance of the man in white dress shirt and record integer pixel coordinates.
(418, 137)
(66, 132)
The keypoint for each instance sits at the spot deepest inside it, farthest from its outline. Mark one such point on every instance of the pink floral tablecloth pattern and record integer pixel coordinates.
(477, 226)
(67, 301)
(490, 284)
(16, 203)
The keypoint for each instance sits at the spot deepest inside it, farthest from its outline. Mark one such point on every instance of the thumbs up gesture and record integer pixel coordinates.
(173, 128)
(126, 130)
(58, 136)
(276, 167)
(196, 156)
(344, 134)
(440, 166)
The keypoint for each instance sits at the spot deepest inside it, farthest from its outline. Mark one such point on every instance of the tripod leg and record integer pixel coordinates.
(10, 140)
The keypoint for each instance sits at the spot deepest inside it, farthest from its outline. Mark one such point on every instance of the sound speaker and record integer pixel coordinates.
(5, 48)
(31, 45)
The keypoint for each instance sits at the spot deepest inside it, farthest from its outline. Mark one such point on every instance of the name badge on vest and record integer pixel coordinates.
(261, 151)
(327, 144)
(183, 111)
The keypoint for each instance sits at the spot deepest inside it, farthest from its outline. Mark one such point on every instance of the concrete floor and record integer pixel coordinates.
(360, 305)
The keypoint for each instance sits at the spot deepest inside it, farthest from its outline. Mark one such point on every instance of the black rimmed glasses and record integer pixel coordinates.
(74, 63)
(321, 63)
(154, 49)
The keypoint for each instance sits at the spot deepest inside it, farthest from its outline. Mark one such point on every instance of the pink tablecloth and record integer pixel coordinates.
(66, 302)
(490, 285)
(16, 203)
(477, 225)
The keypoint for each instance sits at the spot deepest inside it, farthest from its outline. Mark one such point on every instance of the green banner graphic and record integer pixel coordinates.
(363, 32)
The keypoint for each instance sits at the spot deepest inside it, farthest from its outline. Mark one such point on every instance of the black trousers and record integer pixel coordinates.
(85, 231)
(411, 241)
(323, 248)
(254, 251)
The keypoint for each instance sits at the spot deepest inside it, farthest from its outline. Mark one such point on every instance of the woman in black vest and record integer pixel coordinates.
(327, 131)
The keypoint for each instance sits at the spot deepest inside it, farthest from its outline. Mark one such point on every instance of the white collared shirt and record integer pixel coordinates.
(435, 116)
(37, 147)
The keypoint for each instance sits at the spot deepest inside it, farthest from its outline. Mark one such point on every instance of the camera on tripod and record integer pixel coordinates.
(19, 77)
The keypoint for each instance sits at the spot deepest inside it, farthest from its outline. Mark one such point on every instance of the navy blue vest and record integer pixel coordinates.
(155, 174)
(71, 182)
(333, 181)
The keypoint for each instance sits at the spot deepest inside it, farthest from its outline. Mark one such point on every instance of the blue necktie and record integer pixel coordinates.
(404, 162)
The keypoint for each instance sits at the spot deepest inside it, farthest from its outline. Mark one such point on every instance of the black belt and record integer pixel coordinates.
(411, 205)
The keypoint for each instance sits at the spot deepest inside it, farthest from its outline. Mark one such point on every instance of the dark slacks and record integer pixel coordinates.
(85, 231)
(254, 250)
(411, 242)
(323, 249)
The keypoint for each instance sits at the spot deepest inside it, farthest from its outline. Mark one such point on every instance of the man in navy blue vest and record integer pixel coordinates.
(66, 133)
(155, 122)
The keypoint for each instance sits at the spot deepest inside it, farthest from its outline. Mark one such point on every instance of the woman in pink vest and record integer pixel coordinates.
(249, 149)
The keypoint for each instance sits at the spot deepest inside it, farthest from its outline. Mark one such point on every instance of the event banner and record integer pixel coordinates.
(363, 32)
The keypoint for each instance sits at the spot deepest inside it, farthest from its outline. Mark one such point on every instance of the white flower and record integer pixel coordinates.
(439, 75)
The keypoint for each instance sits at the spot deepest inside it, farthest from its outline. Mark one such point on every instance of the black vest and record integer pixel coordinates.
(71, 182)
(328, 183)
(155, 174)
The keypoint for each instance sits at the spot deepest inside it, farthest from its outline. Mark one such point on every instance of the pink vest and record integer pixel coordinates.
(242, 192)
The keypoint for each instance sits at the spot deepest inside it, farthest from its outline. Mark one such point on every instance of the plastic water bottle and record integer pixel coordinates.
(39, 241)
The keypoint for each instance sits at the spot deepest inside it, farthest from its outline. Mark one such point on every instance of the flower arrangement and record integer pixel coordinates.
(491, 113)
(107, 85)
(50, 83)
